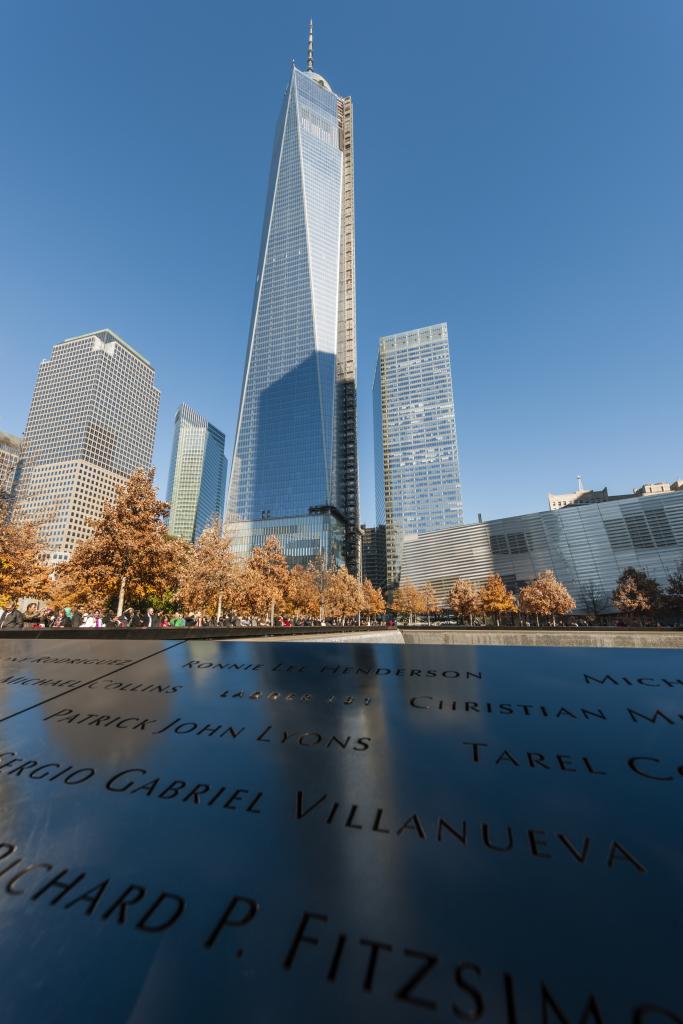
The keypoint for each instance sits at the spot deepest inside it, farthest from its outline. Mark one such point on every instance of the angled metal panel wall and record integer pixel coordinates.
(587, 547)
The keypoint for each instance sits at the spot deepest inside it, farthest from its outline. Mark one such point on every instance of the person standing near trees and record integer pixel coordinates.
(32, 618)
(59, 620)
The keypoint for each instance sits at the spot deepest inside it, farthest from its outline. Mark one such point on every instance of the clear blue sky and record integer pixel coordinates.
(519, 173)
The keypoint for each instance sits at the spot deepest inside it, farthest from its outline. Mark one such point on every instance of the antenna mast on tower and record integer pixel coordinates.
(309, 64)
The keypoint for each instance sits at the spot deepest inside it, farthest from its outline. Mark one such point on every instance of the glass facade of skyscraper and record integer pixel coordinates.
(196, 479)
(295, 437)
(417, 474)
(92, 422)
(375, 555)
(304, 539)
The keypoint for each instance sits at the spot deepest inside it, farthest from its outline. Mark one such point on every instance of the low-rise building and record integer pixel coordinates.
(660, 488)
(580, 497)
(590, 497)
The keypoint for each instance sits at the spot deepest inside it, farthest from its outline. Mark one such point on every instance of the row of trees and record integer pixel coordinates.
(214, 581)
(131, 558)
(545, 598)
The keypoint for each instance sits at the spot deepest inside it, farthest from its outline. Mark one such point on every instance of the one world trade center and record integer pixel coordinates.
(294, 468)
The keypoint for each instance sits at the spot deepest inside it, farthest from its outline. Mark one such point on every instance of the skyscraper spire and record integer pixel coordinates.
(309, 65)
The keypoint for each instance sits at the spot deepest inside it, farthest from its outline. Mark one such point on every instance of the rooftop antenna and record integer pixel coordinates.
(579, 481)
(309, 65)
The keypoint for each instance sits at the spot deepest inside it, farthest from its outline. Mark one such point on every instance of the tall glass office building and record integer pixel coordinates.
(417, 474)
(92, 422)
(196, 478)
(295, 446)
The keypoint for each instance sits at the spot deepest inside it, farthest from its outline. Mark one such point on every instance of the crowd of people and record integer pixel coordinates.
(11, 617)
(33, 617)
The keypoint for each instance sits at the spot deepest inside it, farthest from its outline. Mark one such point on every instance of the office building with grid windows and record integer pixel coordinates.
(10, 450)
(92, 422)
(374, 543)
(586, 546)
(196, 479)
(295, 446)
(417, 473)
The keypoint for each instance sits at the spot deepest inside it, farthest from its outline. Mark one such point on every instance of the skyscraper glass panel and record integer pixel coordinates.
(295, 446)
(196, 479)
(417, 474)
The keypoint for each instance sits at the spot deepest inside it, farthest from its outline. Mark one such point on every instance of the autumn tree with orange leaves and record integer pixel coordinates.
(636, 593)
(22, 573)
(130, 554)
(371, 601)
(546, 596)
(495, 599)
(463, 599)
(210, 576)
(408, 600)
(303, 598)
(343, 595)
(267, 579)
(431, 601)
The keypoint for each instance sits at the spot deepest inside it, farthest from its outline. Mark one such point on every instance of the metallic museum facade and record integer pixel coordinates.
(295, 446)
(586, 546)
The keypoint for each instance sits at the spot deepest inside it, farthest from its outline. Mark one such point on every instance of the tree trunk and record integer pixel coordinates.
(219, 613)
(122, 592)
(272, 611)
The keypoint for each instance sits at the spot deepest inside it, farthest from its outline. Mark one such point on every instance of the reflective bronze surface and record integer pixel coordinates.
(318, 832)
